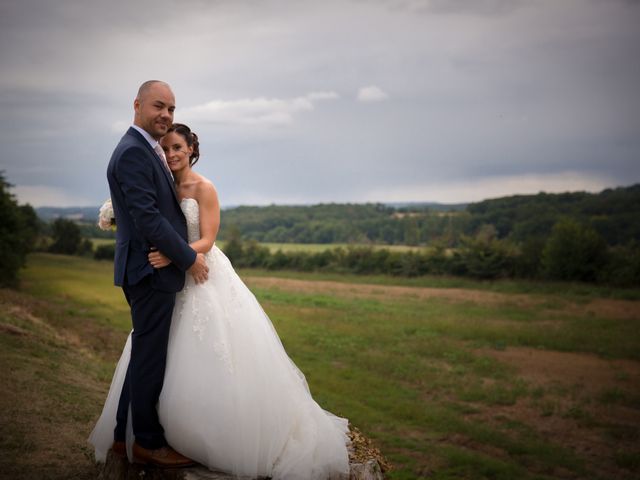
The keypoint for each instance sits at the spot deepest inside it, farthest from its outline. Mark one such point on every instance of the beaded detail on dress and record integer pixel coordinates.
(191, 211)
(199, 309)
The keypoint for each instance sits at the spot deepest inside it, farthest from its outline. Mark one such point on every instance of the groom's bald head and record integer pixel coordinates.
(146, 87)
(153, 108)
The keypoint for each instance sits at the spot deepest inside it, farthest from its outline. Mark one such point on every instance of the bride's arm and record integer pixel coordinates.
(209, 208)
(209, 217)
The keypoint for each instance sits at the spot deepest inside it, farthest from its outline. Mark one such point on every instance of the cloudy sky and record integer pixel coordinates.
(300, 101)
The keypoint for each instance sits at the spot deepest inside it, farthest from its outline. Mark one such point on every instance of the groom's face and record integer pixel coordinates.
(154, 110)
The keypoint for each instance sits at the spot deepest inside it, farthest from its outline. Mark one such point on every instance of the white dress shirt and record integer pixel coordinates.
(155, 145)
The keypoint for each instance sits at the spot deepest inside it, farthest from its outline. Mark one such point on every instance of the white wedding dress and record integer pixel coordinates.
(232, 399)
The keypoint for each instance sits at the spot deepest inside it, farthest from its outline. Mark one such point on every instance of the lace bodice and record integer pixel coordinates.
(191, 212)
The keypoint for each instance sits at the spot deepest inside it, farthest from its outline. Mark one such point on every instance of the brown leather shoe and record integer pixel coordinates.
(165, 457)
(119, 448)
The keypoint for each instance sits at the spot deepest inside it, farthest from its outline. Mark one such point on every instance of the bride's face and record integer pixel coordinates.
(176, 150)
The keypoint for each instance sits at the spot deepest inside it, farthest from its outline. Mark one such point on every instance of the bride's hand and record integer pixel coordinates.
(158, 260)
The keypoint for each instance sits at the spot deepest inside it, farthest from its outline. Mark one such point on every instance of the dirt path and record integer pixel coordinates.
(587, 372)
(608, 308)
(587, 403)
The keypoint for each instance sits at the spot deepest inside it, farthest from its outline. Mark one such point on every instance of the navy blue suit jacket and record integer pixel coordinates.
(147, 214)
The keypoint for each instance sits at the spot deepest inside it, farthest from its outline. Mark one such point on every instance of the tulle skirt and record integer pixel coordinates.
(232, 399)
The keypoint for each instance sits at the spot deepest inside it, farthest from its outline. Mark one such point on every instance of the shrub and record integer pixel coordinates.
(277, 261)
(528, 262)
(437, 260)
(233, 247)
(85, 248)
(485, 258)
(254, 255)
(18, 232)
(623, 266)
(105, 252)
(66, 237)
(573, 252)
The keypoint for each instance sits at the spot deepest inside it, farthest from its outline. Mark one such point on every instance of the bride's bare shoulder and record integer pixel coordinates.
(205, 189)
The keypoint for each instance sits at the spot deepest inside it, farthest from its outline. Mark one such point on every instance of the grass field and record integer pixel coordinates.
(294, 247)
(450, 378)
(102, 241)
(320, 247)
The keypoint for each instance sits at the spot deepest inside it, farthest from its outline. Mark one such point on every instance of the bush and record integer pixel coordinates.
(18, 233)
(253, 255)
(412, 264)
(364, 260)
(574, 252)
(485, 258)
(278, 261)
(437, 260)
(66, 237)
(623, 266)
(528, 262)
(105, 252)
(85, 248)
(233, 247)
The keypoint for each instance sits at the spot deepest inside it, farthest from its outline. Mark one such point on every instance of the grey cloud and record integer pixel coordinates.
(477, 90)
(466, 7)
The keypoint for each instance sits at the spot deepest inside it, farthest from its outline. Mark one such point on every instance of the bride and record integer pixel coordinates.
(232, 399)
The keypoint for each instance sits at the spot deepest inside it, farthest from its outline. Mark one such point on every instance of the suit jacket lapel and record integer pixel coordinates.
(167, 175)
(165, 172)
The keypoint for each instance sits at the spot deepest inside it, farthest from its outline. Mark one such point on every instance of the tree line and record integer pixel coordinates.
(572, 252)
(569, 236)
(612, 213)
(572, 236)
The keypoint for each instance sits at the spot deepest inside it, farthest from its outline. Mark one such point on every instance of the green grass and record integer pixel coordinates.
(409, 372)
(97, 242)
(573, 291)
(295, 247)
(424, 324)
(566, 289)
(321, 247)
(84, 286)
(50, 391)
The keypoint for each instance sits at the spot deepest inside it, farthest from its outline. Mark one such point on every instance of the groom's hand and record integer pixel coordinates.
(199, 269)
(157, 259)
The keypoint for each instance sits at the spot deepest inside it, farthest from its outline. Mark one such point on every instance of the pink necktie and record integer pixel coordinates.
(160, 152)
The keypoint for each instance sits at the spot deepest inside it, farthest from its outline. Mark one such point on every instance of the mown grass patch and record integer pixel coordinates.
(321, 247)
(554, 291)
(98, 242)
(82, 286)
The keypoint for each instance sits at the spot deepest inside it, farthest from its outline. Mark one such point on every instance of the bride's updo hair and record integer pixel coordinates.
(190, 137)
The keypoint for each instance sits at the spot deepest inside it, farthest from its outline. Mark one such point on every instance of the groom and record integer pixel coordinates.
(149, 217)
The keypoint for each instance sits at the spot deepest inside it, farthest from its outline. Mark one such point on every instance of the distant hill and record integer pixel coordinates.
(78, 214)
(614, 213)
(90, 214)
(434, 206)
